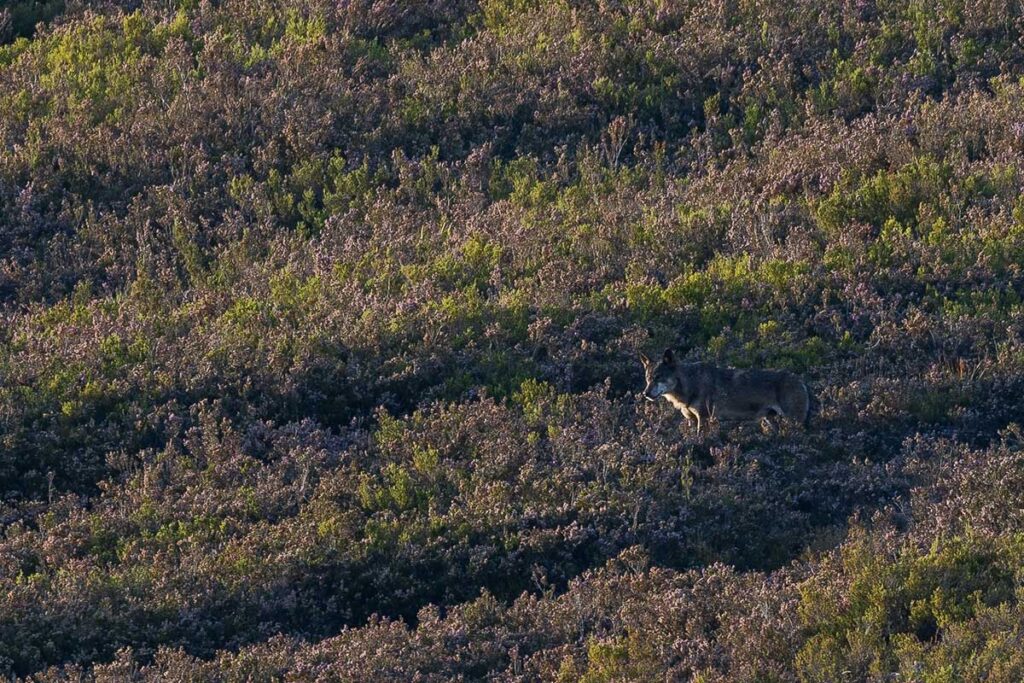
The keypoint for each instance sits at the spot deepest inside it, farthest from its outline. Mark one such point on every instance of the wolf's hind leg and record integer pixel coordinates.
(766, 414)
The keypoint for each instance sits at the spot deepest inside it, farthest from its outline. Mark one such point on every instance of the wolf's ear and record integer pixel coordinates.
(669, 357)
(644, 359)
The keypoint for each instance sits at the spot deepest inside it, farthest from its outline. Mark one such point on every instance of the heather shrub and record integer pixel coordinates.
(896, 604)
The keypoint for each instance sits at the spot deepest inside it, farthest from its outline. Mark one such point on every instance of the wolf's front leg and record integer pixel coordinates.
(699, 418)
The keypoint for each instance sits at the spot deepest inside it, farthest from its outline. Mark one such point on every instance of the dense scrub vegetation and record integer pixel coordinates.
(319, 326)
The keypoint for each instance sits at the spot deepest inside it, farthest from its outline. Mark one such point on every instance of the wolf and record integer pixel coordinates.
(702, 390)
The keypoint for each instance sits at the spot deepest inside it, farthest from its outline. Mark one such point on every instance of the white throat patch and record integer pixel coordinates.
(661, 388)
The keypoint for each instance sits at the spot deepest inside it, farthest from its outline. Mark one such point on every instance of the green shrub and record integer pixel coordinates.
(899, 603)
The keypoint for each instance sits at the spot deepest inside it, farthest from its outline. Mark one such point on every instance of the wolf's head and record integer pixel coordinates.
(661, 376)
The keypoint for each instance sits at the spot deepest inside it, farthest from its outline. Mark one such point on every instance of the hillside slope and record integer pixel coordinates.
(319, 327)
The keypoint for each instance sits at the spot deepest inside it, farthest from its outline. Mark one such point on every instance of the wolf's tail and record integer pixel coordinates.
(795, 399)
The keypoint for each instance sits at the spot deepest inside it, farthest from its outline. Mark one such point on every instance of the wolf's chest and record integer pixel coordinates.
(678, 404)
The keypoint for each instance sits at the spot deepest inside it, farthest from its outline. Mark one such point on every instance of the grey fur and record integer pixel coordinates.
(702, 390)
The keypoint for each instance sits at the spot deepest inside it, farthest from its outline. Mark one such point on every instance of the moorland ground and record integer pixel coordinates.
(319, 326)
